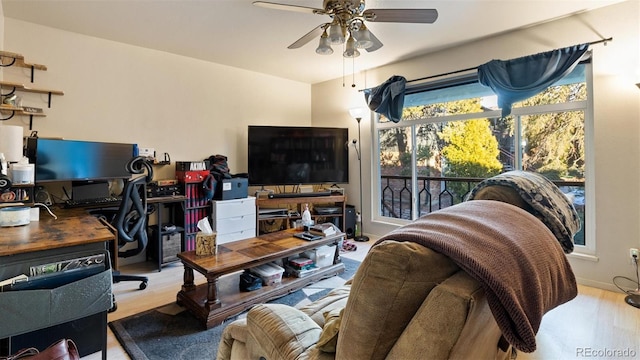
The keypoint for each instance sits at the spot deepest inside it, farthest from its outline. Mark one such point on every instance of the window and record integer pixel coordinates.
(452, 136)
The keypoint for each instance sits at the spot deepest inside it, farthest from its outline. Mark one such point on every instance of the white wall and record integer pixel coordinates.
(121, 93)
(617, 119)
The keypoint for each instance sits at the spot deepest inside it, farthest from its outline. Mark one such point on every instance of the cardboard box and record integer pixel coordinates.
(234, 188)
(206, 244)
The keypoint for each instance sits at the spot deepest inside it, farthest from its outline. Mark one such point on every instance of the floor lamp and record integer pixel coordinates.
(357, 113)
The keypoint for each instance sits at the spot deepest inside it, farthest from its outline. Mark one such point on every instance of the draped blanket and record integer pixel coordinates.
(511, 253)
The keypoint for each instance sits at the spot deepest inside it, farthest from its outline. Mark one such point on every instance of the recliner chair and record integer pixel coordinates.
(130, 221)
(471, 281)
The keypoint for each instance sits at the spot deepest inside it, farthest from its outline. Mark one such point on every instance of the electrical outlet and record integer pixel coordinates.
(634, 253)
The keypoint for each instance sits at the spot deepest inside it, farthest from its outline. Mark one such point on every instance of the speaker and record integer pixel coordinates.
(41, 195)
(350, 221)
(5, 182)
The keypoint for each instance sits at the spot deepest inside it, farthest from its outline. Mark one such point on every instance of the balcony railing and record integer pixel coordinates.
(436, 193)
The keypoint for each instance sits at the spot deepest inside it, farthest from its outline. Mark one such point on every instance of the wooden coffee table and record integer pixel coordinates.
(220, 297)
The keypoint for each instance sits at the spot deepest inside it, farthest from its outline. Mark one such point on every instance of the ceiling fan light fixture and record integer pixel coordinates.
(324, 48)
(336, 33)
(363, 37)
(351, 51)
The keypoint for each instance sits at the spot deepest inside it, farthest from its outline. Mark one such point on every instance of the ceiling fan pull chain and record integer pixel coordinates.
(353, 72)
(343, 71)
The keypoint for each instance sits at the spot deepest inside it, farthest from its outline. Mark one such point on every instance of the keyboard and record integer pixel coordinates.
(103, 201)
(297, 194)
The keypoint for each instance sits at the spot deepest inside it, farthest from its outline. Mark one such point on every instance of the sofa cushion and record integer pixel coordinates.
(443, 315)
(234, 333)
(282, 332)
(387, 290)
(329, 337)
(335, 299)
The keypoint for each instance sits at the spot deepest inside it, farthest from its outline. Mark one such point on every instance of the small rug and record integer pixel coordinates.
(171, 332)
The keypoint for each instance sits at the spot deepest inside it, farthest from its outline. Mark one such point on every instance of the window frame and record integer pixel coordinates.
(587, 251)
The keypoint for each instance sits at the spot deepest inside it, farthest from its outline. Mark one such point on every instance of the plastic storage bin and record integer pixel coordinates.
(322, 256)
(271, 274)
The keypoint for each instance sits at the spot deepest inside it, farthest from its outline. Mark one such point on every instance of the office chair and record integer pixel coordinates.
(130, 221)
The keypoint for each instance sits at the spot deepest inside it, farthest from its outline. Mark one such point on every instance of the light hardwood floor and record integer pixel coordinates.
(594, 325)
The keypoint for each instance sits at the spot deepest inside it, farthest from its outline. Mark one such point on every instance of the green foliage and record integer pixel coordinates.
(471, 151)
(555, 141)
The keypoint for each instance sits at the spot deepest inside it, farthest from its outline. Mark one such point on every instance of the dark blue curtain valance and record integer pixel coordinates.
(388, 98)
(518, 79)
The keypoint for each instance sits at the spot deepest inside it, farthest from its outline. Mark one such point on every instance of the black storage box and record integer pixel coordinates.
(234, 188)
(171, 244)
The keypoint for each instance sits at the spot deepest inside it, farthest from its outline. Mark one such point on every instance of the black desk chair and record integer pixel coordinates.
(130, 221)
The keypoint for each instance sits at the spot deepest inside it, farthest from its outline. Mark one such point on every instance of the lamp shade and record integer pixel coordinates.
(363, 37)
(336, 33)
(356, 113)
(11, 142)
(351, 51)
(324, 48)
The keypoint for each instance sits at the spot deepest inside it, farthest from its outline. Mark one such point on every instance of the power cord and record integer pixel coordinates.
(633, 296)
(48, 210)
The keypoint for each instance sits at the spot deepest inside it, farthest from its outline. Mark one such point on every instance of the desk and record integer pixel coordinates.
(161, 202)
(48, 234)
(155, 244)
(72, 232)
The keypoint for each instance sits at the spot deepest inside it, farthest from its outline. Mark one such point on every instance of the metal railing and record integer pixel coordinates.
(434, 193)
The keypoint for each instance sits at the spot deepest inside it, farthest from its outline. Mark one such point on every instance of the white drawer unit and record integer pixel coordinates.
(233, 219)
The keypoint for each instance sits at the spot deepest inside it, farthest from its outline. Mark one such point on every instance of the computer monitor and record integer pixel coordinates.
(75, 160)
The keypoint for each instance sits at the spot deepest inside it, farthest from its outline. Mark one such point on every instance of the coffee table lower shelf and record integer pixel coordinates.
(233, 301)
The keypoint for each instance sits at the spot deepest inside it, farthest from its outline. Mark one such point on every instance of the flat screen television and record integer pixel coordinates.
(287, 155)
(74, 160)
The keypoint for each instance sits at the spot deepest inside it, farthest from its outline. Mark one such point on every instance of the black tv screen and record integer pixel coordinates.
(73, 160)
(285, 155)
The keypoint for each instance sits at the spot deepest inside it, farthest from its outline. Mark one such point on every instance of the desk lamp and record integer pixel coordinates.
(357, 113)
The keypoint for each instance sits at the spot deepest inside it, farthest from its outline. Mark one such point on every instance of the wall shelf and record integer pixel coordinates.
(20, 112)
(8, 59)
(21, 87)
(16, 59)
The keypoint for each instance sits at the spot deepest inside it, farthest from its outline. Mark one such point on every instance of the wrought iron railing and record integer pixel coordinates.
(434, 193)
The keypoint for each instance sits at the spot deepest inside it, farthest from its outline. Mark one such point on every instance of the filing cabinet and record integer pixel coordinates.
(234, 219)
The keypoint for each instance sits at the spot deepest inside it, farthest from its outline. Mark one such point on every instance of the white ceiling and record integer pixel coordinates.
(236, 33)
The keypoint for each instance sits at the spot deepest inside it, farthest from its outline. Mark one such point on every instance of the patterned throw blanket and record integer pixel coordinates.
(539, 196)
(514, 256)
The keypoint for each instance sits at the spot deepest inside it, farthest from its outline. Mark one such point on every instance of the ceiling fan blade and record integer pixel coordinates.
(276, 6)
(426, 16)
(377, 44)
(307, 37)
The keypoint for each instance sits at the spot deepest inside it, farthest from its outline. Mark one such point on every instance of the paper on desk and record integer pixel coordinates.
(204, 226)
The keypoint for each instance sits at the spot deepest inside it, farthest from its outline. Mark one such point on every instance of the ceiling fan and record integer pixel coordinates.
(348, 24)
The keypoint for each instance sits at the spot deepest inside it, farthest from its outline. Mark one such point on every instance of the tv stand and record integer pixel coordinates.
(298, 194)
(298, 202)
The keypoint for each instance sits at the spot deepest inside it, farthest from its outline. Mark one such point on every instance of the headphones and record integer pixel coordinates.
(5, 182)
(209, 186)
